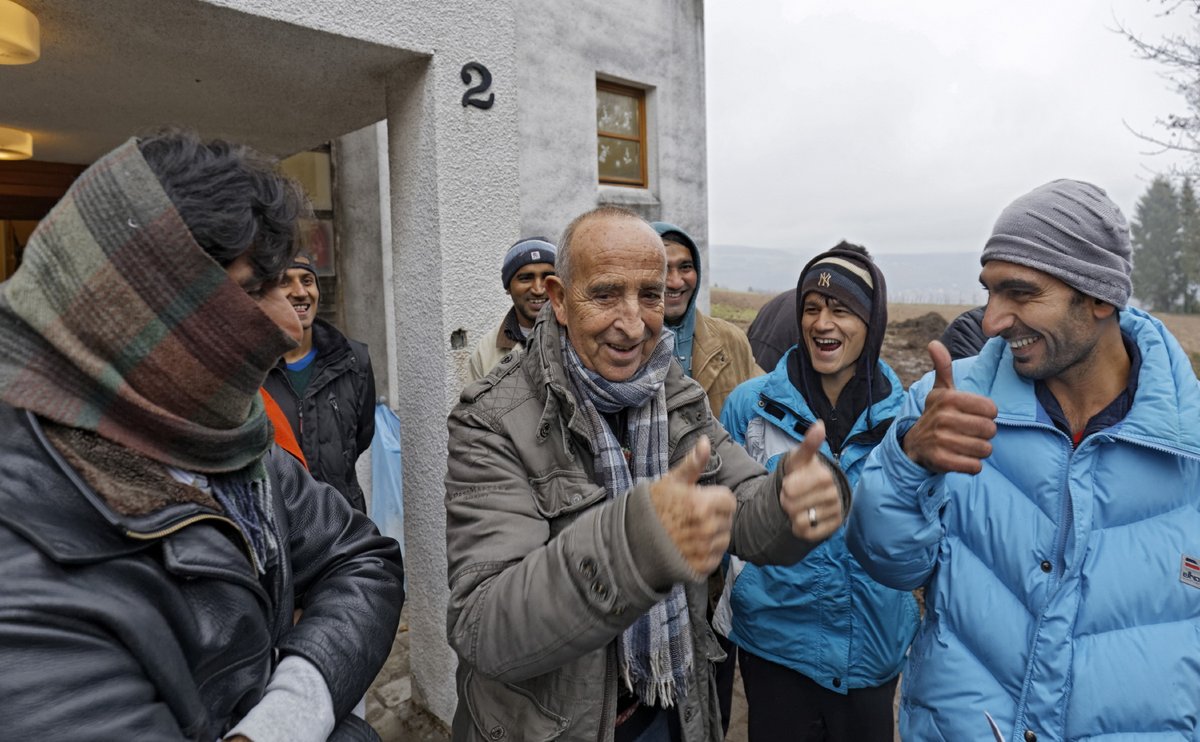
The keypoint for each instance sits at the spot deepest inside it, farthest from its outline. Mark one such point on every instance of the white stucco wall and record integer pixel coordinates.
(465, 183)
(454, 197)
(453, 180)
(359, 224)
(422, 231)
(655, 45)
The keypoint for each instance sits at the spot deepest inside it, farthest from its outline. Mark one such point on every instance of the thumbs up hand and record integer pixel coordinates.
(954, 432)
(810, 495)
(697, 518)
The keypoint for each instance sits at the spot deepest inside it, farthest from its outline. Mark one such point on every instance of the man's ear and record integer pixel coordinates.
(1101, 309)
(558, 298)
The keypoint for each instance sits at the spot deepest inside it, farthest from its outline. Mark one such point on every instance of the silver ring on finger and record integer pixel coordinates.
(812, 517)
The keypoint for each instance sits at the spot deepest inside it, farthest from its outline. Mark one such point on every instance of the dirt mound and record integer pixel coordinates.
(904, 345)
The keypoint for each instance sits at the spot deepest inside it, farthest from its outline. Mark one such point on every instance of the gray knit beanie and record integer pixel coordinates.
(1072, 231)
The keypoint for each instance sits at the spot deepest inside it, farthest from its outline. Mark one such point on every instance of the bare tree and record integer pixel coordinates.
(1179, 57)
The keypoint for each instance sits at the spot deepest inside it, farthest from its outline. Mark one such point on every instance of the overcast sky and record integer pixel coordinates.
(908, 126)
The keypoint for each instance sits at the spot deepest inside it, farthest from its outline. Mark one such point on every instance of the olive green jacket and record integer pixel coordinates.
(546, 571)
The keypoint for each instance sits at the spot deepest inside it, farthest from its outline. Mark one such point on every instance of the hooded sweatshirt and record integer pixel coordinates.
(685, 329)
(867, 386)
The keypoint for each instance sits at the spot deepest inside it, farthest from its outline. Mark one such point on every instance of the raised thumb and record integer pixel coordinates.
(692, 466)
(942, 370)
(811, 445)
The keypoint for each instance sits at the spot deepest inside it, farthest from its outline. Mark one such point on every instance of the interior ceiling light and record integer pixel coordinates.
(19, 37)
(15, 144)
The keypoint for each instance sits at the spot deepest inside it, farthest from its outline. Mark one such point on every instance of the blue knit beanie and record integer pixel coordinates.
(524, 252)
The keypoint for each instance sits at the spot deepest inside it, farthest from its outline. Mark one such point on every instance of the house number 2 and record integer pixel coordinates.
(473, 95)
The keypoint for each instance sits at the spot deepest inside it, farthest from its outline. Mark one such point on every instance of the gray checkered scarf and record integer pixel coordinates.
(656, 651)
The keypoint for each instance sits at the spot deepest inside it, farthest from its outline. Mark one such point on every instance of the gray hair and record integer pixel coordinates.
(563, 261)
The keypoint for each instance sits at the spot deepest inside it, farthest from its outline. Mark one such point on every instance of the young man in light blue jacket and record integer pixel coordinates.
(1047, 495)
(820, 642)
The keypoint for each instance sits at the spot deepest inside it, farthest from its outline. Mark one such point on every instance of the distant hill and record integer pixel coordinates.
(925, 278)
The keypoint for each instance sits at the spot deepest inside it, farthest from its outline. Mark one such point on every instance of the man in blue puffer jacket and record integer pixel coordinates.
(820, 642)
(1047, 494)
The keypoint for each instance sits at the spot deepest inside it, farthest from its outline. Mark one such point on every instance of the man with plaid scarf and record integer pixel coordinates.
(155, 545)
(590, 492)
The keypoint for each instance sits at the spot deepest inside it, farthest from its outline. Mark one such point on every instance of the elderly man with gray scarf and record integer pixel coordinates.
(589, 494)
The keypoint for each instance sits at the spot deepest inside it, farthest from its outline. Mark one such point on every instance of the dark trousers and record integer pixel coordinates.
(785, 705)
(725, 671)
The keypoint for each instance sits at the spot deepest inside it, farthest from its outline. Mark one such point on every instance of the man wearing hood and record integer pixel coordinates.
(774, 330)
(717, 355)
(821, 643)
(712, 351)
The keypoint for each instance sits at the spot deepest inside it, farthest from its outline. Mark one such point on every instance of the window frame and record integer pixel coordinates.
(329, 306)
(638, 94)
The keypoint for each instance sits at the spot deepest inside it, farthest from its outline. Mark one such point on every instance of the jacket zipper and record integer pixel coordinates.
(608, 728)
(1060, 546)
(1060, 538)
(1059, 555)
(1152, 446)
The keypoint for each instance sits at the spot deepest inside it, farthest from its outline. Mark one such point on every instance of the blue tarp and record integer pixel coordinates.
(387, 484)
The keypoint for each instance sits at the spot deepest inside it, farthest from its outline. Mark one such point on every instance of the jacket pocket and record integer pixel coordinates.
(562, 492)
(502, 711)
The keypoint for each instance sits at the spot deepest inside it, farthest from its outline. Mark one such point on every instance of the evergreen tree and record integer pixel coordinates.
(1189, 243)
(1158, 276)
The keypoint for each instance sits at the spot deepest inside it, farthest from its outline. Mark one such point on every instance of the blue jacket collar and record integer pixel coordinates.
(1165, 409)
(779, 388)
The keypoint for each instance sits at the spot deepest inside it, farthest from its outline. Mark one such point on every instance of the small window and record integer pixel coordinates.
(621, 134)
(314, 171)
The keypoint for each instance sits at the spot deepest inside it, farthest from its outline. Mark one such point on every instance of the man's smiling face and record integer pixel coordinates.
(1049, 326)
(833, 336)
(528, 291)
(612, 306)
(681, 280)
(304, 294)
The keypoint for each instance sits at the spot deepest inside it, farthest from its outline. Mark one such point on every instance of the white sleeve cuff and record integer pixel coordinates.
(297, 706)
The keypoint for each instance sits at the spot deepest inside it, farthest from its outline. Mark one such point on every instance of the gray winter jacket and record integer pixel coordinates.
(546, 571)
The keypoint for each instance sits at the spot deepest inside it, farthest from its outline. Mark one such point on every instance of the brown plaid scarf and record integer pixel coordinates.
(117, 322)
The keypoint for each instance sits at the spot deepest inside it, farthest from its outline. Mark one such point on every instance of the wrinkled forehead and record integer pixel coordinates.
(616, 244)
(636, 270)
(676, 251)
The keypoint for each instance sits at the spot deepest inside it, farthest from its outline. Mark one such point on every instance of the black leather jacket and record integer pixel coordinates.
(157, 627)
(335, 419)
